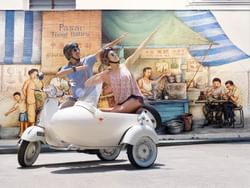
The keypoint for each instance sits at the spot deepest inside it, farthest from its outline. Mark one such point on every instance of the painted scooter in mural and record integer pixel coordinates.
(83, 127)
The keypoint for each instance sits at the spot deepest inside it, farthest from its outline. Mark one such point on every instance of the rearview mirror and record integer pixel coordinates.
(40, 75)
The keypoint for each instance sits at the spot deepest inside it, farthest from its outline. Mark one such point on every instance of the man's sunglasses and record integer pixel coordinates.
(76, 49)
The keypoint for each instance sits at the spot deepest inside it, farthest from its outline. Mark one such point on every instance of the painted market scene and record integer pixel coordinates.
(182, 66)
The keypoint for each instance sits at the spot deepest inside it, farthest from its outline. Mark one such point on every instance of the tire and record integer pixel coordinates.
(143, 154)
(28, 153)
(108, 154)
(153, 115)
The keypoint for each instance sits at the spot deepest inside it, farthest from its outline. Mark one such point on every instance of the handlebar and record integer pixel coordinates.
(51, 91)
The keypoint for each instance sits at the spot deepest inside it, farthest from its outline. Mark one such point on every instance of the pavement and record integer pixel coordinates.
(198, 135)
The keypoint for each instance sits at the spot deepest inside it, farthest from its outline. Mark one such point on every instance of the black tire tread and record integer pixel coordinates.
(156, 115)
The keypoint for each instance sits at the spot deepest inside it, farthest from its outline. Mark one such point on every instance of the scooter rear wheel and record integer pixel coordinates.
(153, 115)
(109, 154)
(28, 153)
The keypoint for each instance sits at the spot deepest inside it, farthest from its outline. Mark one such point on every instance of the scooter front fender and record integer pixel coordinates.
(136, 132)
(34, 134)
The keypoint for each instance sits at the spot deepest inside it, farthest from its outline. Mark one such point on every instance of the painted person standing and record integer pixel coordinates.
(19, 105)
(28, 91)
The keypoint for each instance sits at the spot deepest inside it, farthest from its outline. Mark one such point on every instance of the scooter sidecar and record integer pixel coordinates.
(86, 127)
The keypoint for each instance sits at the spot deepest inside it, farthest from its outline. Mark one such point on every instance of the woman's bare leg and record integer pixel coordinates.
(129, 106)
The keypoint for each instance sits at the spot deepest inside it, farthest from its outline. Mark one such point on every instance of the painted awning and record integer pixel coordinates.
(139, 24)
(204, 23)
(20, 37)
(197, 30)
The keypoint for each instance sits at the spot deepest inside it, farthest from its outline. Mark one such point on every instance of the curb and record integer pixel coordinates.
(202, 141)
(11, 149)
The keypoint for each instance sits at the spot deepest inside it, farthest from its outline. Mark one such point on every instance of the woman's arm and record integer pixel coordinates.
(116, 41)
(111, 44)
(131, 59)
(96, 79)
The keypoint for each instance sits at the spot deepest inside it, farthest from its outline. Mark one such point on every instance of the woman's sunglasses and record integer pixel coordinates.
(113, 54)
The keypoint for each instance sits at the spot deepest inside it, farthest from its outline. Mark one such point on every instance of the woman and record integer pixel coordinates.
(119, 81)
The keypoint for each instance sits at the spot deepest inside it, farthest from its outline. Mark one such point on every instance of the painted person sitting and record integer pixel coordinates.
(107, 99)
(233, 95)
(146, 83)
(215, 92)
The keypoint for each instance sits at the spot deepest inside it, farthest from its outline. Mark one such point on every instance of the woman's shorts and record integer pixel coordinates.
(23, 117)
(139, 98)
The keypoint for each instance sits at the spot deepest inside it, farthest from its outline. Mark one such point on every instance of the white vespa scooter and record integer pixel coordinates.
(85, 128)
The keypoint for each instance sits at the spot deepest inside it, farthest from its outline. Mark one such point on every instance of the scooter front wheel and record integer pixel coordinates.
(143, 154)
(28, 153)
(109, 154)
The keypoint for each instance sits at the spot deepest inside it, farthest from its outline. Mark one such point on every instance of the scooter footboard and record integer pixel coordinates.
(136, 132)
(33, 134)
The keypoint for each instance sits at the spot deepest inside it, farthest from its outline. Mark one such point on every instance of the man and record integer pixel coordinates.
(214, 92)
(233, 96)
(79, 70)
(146, 83)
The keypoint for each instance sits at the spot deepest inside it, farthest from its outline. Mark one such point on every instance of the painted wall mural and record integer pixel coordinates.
(185, 40)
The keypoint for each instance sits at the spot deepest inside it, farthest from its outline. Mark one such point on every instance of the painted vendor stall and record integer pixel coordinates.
(167, 54)
(187, 43)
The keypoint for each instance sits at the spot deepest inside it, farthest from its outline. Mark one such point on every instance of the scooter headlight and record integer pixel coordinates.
(51, 91)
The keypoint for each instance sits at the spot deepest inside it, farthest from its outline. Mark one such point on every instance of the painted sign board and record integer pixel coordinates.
(60, 28)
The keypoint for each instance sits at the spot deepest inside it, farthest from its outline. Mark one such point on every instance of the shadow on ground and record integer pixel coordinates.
(95, 166)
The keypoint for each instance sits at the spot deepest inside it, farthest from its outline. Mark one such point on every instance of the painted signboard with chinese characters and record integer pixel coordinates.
(172, 58)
